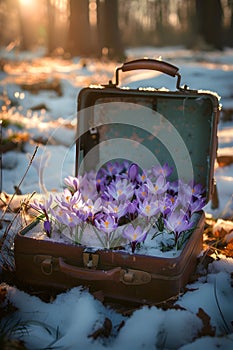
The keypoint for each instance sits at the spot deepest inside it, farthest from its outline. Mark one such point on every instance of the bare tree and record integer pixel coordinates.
(210, 24)
(50, 27)
(230, 31)
(109, 33)
(27, 37)
(79, 39)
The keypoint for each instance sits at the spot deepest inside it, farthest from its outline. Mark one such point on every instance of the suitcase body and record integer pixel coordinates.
(149, 127)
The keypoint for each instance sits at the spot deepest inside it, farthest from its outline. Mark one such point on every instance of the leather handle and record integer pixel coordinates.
(89, 274)
(146, 63)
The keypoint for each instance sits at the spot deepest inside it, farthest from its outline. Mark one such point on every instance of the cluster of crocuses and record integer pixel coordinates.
(123, 195)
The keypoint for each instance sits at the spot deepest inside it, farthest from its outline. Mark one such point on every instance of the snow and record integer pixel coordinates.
(150, 247)
(68, 321)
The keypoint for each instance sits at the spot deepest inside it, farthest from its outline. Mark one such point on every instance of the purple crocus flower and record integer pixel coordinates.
(196, 205)
(166, 204)
(120, 190)
(149, 207)
(134, 235)
(72, 183)
(70, 219)
(173, 188)
(142, 177)
(100, 183)
(88, 188)
(198, 190)
(66, 217)
(185, 190)
(125, 165)
(159, 186)
(45, 208)
(69, 199)
(106, 223)
(47, 227)
(141, 192)
(117, 195)
(188, 195)
(82, 215)
(117, 209)
(111, 169)
(164, 170)
(93, 207)
(133, 172)
(177, 222)
(132, 207)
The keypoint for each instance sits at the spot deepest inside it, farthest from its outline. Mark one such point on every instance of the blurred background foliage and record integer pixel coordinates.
(97, 28)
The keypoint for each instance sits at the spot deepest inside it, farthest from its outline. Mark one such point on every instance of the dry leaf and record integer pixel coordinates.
(228, 251)
(103, 331)
(3, 293)
(207, 329)
(223, 230)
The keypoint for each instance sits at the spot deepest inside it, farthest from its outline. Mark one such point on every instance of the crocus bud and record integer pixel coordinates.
(133, 171)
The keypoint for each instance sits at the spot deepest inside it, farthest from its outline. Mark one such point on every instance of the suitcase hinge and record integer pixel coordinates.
(134, 277)
(90, 260)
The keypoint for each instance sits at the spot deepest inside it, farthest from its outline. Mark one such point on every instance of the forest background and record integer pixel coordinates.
(103, 28)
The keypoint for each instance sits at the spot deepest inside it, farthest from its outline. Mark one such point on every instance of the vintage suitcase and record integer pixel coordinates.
(147, 126)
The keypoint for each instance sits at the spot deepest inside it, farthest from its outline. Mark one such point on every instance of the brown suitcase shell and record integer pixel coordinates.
(117, 274)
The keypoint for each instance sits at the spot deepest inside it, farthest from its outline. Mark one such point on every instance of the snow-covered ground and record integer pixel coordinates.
(68, 321)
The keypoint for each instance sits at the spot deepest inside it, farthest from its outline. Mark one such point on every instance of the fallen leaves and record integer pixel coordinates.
(228, 251)
(36, 86)
(6, 310)
(219, 236)
(207, 329)
(223, 233)
(104, 331)
(14, 141)
(224, 160)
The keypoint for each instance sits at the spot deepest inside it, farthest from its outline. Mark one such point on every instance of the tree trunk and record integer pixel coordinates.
(79, 40)
(26, 35)
(230, 31)
(50, 27)
(109, 29)
(210, 26)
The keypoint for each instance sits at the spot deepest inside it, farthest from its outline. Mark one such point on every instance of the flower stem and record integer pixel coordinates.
(97, 234)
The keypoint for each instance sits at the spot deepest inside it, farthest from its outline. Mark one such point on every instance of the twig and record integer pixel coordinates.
(28, 167)
(24, 205)
(5, 235)
(0, 157)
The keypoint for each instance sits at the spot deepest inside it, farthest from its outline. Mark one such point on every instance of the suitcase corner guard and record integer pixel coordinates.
(49, 264)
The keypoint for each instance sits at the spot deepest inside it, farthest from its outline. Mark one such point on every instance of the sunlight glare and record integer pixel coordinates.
(93, 12)
(173, 19)
(26, 2)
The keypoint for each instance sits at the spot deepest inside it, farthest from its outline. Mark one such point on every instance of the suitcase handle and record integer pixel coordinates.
(89, 274)
(147, 63)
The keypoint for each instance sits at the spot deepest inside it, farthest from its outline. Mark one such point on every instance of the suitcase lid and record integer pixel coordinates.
(149, 127)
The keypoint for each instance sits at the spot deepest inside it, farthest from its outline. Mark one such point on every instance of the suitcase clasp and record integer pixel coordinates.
(134, 277)
(90, 260)
(46, 263)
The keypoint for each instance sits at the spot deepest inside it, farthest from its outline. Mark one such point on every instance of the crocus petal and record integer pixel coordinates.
(133, 171)
(47, 227)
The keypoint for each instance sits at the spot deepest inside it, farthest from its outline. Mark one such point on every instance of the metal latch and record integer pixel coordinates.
(90, 260)
(47, 263)
(134, 277)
